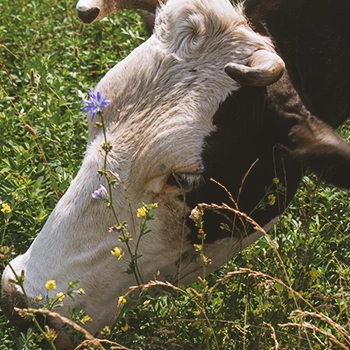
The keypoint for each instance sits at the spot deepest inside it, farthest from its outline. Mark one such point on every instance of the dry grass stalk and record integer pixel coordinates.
(256, 227)
(87, 343)
(151, 284)
(330, 336)
(273, 335)
(323, 317)
(258, 274)
(90, 339)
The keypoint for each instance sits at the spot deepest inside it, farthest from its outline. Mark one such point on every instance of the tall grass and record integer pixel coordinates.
(290, 290)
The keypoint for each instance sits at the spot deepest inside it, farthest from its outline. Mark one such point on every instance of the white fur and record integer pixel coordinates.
(163, 97)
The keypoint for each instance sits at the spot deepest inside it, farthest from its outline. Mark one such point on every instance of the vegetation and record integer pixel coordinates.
(291, 290)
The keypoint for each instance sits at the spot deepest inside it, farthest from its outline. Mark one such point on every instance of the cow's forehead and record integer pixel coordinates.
(162, 133)
(170, 75)
(165, 93)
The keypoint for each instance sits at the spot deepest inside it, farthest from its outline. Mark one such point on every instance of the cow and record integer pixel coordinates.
(203, 98)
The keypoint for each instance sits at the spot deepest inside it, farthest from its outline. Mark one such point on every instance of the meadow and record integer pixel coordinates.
(290, 290)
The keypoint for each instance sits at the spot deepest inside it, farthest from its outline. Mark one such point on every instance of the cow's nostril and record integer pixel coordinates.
(87, 15)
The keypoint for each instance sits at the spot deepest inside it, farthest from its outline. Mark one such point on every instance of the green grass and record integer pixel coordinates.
(48, 62)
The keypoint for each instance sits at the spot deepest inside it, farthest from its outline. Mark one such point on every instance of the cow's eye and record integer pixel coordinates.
(184, 181)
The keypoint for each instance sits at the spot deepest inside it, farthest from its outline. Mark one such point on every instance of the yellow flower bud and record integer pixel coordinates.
(271, 199)
(106, 330)
(5, 208)
(38, 298)
(121, 300)
(50, 285)
(125, 328)
(141, 212)
(85, 319)
(60, 296)
(118, 253)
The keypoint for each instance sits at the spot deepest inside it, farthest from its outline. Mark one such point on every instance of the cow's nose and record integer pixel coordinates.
(9, 300)
(87, 14)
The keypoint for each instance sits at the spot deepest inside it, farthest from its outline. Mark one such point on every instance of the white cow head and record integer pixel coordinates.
(163, 99)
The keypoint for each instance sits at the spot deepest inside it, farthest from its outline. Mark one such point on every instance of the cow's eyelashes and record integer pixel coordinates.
(184, 181)
(175, 180)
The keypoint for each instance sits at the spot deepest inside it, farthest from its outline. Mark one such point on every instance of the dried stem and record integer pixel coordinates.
(90, 339)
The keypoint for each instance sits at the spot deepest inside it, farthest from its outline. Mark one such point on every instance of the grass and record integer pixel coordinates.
(288, 291)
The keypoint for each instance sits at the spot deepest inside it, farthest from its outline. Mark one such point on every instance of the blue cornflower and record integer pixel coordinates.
(96, 103)
(100, 193)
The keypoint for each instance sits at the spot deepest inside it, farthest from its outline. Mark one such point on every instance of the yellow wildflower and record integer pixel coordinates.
(141, 212)
(121, 300)
(125, 328)
(276, 180)
(85, 319)
(51, 333)
(313, 274)
(5, 208)
(271, 199)
(60, 296)
(145, 303)
(50, 285)
(38, 298)
(118, 253)
(106, 330)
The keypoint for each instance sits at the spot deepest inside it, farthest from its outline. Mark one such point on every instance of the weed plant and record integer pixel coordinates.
(290, 290)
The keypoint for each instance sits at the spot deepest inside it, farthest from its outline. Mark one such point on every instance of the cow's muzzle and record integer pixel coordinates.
(87, 14)
(11, 298)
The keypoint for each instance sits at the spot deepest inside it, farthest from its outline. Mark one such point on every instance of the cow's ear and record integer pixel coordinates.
(263, 68)
(319, 147)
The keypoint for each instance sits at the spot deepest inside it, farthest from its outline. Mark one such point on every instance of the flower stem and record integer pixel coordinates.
(133, 263)
(19, 282)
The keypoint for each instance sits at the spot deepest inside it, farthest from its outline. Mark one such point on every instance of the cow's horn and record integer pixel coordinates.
(264, 68)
